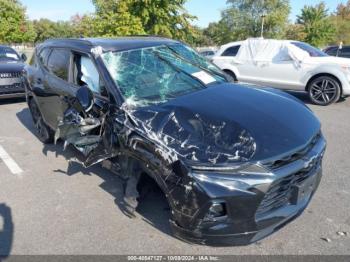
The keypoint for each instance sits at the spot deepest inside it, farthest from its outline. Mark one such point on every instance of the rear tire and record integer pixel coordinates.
(44, 132)
(324, 90)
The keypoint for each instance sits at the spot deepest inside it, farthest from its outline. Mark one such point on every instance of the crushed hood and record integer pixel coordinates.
(228, 123)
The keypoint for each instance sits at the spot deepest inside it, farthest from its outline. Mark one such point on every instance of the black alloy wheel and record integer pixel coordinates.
(324, 90)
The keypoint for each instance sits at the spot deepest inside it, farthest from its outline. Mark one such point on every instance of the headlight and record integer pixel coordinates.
(245, 168)
(238, 178)
(346, 68)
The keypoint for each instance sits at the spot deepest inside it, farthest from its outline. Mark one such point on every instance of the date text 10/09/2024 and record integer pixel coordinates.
(172, 258)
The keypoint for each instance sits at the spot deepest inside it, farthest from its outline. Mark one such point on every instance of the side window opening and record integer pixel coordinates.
(43, 56)
(86, 73)
(231, 51)
(58, 63)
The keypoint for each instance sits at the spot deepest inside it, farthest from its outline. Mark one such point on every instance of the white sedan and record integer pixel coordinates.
(289, 65)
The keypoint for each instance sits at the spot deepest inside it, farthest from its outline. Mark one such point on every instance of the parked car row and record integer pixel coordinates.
(287, 65)
(236, 162)
(207, 52)
(11, 70)
(340, 51)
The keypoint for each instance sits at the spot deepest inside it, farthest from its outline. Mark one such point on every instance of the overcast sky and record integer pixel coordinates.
(206, 10)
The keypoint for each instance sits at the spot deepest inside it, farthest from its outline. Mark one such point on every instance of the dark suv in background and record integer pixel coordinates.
(235, 163)
(344, 51)
(11, 69)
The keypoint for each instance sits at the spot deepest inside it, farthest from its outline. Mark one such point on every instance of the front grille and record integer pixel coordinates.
(281, 191)
(8, 89)
(5, 75)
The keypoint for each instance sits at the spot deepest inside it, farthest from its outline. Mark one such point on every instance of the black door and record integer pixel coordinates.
(89, 130)
(56, 86)
(39, 83)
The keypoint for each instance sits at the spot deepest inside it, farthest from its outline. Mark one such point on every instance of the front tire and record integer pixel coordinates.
(231, 75)
(44, 132)
(324, 90)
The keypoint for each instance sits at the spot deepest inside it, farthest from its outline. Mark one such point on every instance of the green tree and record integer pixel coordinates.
(167, 18)
(200, 38)
(46, 29)
(115, 18)
(133, 17)
(29, 33)
(295, 32)
(14, 27)
(341, 22)
(219, 32)
(83, 25)
(317, 26)
(244, 18)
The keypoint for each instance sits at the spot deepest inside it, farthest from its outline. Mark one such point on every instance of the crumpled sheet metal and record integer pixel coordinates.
(182, 135)
(74, 129)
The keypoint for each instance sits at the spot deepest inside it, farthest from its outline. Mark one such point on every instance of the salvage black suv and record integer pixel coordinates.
(236, 163)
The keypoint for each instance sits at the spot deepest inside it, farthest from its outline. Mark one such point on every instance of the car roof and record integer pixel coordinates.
(109, 44)
(336, 46)
(262, 39)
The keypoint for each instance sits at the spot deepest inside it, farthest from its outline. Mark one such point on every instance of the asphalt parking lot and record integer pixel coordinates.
(50, 204)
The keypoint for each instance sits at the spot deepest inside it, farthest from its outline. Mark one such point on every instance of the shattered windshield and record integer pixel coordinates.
(158, 74)
(195, 58)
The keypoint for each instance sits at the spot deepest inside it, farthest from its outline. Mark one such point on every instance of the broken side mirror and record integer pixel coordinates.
(85, 98)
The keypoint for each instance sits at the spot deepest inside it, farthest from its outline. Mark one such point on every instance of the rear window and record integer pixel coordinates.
(58, 63)
(231, 51)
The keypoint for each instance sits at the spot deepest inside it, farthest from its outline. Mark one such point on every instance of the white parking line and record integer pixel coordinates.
(10, 163)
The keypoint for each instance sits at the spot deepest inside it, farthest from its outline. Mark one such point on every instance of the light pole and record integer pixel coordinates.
(262, 24)
(263, 15)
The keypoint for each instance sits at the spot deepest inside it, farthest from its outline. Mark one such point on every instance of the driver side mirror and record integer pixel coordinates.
(85, 98)
(24, 57)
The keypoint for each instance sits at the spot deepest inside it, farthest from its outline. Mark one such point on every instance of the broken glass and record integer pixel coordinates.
(157, 74)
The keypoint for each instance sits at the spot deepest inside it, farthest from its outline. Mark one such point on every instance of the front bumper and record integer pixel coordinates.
(11, 88)
(256, 205)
